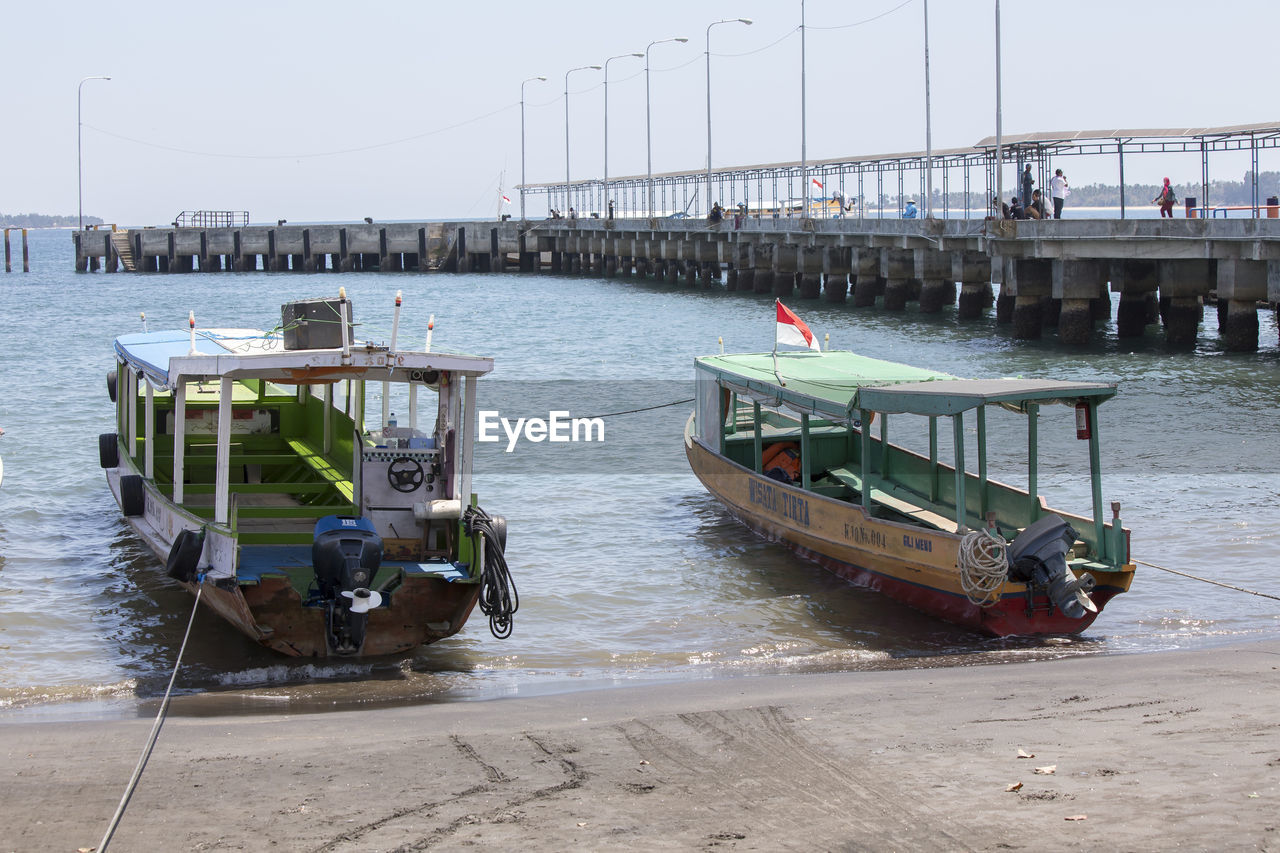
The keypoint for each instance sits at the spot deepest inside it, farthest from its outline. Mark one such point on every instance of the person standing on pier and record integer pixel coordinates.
(1166, 199)
(1058, 189)
(1027, 182)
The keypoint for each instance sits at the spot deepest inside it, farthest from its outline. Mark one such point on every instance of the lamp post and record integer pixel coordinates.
(804, 160)
(79, 159)
(928, 124)
(606, 124)
(529, 80)
(999, 146)
(746, 21)
(566, 125)
(648, 123)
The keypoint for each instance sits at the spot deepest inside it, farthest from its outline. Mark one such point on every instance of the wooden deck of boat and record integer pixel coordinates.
(894, 501)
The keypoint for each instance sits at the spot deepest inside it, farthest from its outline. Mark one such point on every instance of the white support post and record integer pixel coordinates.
(327, 441)
(386, 404)
(131, 410)
(357, 447)
(453, 420)
(179, 439)
(466, 433)
(222, 481)
(149, 433)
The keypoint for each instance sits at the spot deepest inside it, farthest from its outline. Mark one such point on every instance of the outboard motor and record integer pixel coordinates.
(1038, 557)
(346, 553)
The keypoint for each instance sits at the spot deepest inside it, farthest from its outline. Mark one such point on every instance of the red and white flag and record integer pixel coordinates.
(793, 331)
(506, 200)
(817, 183)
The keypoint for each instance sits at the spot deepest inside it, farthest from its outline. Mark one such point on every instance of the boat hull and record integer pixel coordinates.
(270, 610)
(911, 564)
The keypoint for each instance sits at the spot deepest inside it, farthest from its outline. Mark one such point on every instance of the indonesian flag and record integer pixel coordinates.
(506, 200)
(792, 330)
(817, 183)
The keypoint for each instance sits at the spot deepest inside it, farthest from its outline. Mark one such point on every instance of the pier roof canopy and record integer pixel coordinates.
(1171, 139)
(1268, 129)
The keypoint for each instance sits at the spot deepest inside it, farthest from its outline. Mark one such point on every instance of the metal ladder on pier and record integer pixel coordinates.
(120, 242)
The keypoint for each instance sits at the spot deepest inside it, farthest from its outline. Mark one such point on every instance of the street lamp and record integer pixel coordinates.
(566, 125)
(606, 123)
(928, 124)
(999, 145)
(530, 80)
(79, 160)
(746, 21)
(804, 158)
(648, 124)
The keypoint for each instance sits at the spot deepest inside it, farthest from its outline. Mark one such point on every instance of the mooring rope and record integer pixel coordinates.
(155, 729)
(984, 566)
(645, 409)
(1208, 580)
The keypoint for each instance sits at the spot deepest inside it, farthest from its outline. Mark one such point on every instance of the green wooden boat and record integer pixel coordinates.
(779, 439)
(242, 458)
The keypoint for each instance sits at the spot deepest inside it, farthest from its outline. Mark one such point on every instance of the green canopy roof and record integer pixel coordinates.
(836, 385)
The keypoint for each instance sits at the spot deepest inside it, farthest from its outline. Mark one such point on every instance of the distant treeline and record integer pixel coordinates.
(1108, 195)
(1220, 192)
(44, 220)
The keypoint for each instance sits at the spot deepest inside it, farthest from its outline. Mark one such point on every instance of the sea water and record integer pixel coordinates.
(628, 571)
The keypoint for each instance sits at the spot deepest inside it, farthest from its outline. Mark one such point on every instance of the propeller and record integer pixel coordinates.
(362, 600)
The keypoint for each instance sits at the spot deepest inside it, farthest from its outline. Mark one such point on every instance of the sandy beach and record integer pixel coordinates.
(1171, 750)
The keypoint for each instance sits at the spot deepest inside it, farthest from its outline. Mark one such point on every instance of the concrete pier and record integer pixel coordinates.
(973, 271)
(1053, 277)
(897, 266)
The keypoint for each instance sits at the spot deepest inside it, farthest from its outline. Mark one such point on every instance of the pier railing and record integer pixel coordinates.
(211, 219)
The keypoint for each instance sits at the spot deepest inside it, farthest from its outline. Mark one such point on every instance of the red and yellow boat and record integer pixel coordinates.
(779, 439)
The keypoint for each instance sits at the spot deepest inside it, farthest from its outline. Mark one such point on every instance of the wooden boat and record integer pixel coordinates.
(242, 458)
(778, 439)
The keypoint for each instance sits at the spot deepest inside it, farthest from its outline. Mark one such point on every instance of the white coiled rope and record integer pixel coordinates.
(984, 566)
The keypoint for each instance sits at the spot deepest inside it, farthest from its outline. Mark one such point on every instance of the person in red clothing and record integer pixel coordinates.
(1166, 199)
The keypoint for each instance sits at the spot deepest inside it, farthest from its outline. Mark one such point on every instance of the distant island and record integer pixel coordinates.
(44, 220)
(1220, 192)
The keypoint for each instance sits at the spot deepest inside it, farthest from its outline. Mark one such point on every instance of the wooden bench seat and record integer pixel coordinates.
(893, 502)
(287, 512)
(243, 458)
(250, 488)
(316, 461)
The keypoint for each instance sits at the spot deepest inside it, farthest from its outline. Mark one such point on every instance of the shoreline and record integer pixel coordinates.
(1149, 751)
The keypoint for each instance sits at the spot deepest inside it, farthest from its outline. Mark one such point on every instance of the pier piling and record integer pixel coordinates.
(1061, 275)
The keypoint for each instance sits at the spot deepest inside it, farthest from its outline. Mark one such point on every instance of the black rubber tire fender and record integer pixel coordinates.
(133, 495)
(111, 384)
(499, 524)
(184, 556)
(109, 450)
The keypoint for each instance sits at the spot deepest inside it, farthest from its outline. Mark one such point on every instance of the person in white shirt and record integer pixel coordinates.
(1058, 189)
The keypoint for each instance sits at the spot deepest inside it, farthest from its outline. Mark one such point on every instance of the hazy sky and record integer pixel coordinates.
(323, 110)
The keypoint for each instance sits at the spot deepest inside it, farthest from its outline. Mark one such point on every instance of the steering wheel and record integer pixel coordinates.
(405, 474)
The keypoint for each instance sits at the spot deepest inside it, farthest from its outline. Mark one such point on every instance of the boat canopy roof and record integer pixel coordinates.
(836, 385)
(167, 358)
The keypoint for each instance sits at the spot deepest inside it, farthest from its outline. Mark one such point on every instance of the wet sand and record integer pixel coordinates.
(1177, 750)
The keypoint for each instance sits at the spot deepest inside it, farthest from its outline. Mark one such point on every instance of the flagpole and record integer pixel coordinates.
(777, 303)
